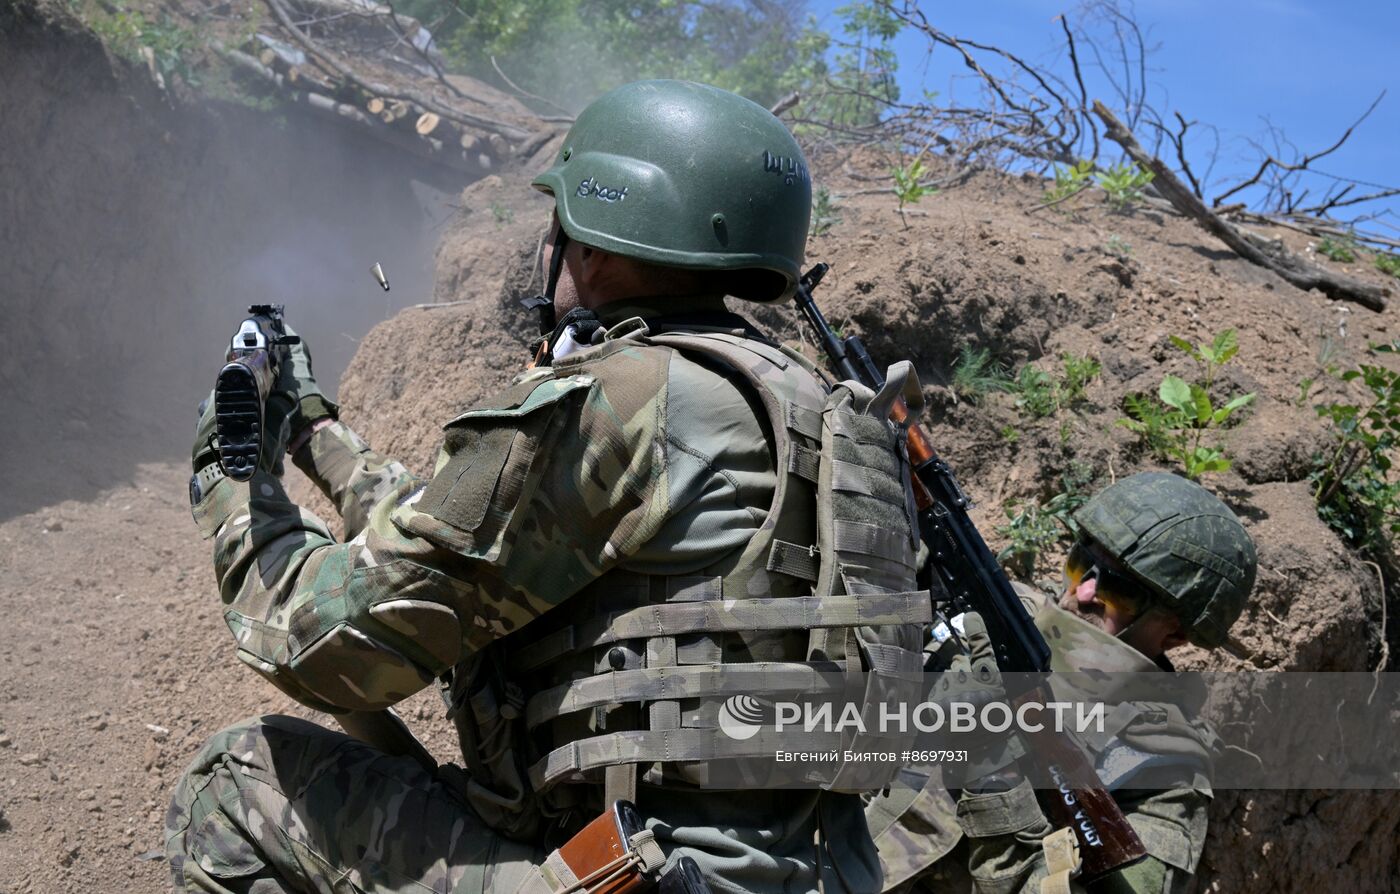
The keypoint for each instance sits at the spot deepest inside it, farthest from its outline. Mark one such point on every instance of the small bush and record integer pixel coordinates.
(1328, 348)
(1034, 528)
(977, 374)
(172, 46)
(1388, 263)
(823, 213)
(1341, 250)
(1118, 248)
(1070, 180)
(1176, 426)
(1355, 488)
(1035, 392)
(1040, 393)
(907, 187)
(1123, 184)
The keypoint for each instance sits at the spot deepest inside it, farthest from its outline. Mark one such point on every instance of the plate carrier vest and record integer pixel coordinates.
(625, 679)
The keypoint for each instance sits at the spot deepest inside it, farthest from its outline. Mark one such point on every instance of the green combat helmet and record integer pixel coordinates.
(1183, 543)
(686, 175)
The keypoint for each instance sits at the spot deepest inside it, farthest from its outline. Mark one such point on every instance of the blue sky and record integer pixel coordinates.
(1309, 67)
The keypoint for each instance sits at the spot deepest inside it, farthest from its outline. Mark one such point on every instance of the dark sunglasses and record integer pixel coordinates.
(1113, 587)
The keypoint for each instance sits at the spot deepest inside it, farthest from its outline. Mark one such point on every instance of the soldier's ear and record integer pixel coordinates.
(598, 270)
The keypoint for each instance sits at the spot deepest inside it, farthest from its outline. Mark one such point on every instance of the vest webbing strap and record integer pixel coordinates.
(854, 478)
(803, 420)
(718, 615)
(872, 540)
(804, 462)
(693, 681)
(691, 744)
(738, 615)
(793, 559)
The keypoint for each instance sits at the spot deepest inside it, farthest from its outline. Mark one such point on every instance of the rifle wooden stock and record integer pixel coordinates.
(602, 856)
(1106, 839)
(920, 450)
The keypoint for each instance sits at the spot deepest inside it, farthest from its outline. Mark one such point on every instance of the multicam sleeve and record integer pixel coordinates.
(351, 475)
(1005, 831)
(516, 519)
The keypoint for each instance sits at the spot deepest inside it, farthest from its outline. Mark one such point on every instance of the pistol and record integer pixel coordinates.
(255, 355)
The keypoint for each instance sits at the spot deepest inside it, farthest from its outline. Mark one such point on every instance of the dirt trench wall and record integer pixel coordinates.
(134, 234)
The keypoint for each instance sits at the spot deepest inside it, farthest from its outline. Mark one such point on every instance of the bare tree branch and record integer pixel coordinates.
(786, 103)
(1270, 160)
(1304, 276)
(1079, 79)
(528, 95)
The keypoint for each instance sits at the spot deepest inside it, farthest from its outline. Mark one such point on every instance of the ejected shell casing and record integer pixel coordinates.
(378, 272)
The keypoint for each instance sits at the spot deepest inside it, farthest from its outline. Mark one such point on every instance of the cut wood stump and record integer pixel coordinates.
(427, 123)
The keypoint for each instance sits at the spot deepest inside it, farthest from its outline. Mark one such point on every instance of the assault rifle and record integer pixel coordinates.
(255, 354)
(961, 565)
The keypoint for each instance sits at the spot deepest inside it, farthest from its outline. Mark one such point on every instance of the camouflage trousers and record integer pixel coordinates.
(277, 804)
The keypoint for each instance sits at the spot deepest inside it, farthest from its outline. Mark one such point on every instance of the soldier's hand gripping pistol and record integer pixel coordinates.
(256, 354)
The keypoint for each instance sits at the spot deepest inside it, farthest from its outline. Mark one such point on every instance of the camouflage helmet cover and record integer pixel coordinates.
(1183, 543)
(686, 175)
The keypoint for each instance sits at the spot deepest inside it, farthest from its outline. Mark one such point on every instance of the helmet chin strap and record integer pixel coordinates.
(544, 303)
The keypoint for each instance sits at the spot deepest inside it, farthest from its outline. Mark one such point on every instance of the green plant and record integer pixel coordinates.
(762, 51)
(1327, 350)
(1079, 371)
(823, 213)
(1035, 392)
(1176, 428)
(1040, 394)
(1388, 263)
(502, 213)
(1070, 180)
(1123, 184)
(1034, 527)
(1009, 434)
(1342, 249)
(907, 187)
(976, 374)
(1356, 491)
(131, 35)
(1118, 248)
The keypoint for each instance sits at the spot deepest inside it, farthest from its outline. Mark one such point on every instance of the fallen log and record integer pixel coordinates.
(328, 60)
(430, 148)
(1287, 265)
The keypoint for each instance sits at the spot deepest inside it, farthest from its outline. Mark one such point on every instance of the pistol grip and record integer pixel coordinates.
(238, 420)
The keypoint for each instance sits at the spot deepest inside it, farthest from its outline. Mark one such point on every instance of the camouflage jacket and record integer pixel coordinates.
(663, 469)
(921, 829)
(647, 462)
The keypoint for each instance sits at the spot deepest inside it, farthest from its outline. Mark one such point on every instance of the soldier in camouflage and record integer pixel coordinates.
(1160, 562)
(630, 527)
